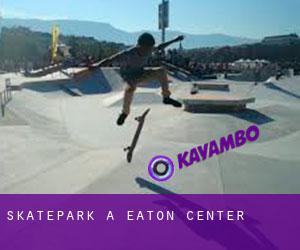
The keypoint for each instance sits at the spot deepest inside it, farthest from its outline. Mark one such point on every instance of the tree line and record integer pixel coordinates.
(273, 53)
(21, 48)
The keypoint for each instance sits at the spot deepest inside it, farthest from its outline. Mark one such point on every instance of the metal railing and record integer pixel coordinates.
(5, 96)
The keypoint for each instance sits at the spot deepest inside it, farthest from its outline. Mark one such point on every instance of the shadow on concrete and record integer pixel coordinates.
(92, 84)
(69, 91)
(208, 230)
(272, 86)
(253, 116)
(242, 113)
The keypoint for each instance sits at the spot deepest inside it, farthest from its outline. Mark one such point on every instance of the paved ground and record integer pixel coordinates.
(55, 142)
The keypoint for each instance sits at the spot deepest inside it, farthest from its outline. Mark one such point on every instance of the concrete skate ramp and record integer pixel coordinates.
(275, 87)
(11, 119)
(213, 102)
(72, 145)
(101, 81)
(217, 86)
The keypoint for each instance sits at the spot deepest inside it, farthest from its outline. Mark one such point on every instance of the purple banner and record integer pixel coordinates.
(163, 221)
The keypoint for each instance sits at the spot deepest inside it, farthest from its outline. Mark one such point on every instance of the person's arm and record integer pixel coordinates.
(110, 60)
(162, 46)
(103, 63)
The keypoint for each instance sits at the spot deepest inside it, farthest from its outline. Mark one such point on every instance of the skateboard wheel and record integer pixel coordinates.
(126, 149)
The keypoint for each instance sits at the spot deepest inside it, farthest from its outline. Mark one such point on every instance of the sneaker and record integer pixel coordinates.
(194, 89)
(121, 119)
(170, 101)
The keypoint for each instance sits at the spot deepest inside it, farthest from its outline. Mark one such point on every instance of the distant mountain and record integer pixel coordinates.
(106, 32)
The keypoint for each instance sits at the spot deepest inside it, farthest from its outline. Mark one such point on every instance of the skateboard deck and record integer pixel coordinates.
(130, 149)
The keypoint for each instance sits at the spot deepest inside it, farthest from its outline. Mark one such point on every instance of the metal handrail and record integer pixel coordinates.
(5, 96)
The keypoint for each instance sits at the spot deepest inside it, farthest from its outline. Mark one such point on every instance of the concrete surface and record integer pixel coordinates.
(215, 102)
(212, 85)
(53, 142)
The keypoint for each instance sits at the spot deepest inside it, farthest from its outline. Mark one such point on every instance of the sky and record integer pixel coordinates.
(244, 18)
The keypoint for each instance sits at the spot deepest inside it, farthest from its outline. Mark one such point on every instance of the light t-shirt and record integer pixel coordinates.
(131, 63)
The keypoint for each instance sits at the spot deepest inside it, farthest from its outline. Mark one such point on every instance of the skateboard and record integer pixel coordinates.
(130, 149)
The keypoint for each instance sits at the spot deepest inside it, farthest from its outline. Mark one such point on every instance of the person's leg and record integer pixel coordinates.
(160, 74)
(156, 74)
(162, 77)
(128, 97)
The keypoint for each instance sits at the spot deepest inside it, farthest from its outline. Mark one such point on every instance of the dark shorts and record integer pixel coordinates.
(143, 76)
(132, 75)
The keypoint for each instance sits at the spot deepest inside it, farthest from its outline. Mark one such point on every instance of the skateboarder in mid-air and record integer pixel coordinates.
(132, 64)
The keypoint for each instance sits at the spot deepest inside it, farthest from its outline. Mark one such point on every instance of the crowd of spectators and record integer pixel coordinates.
(179, 59)
(198, 69)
